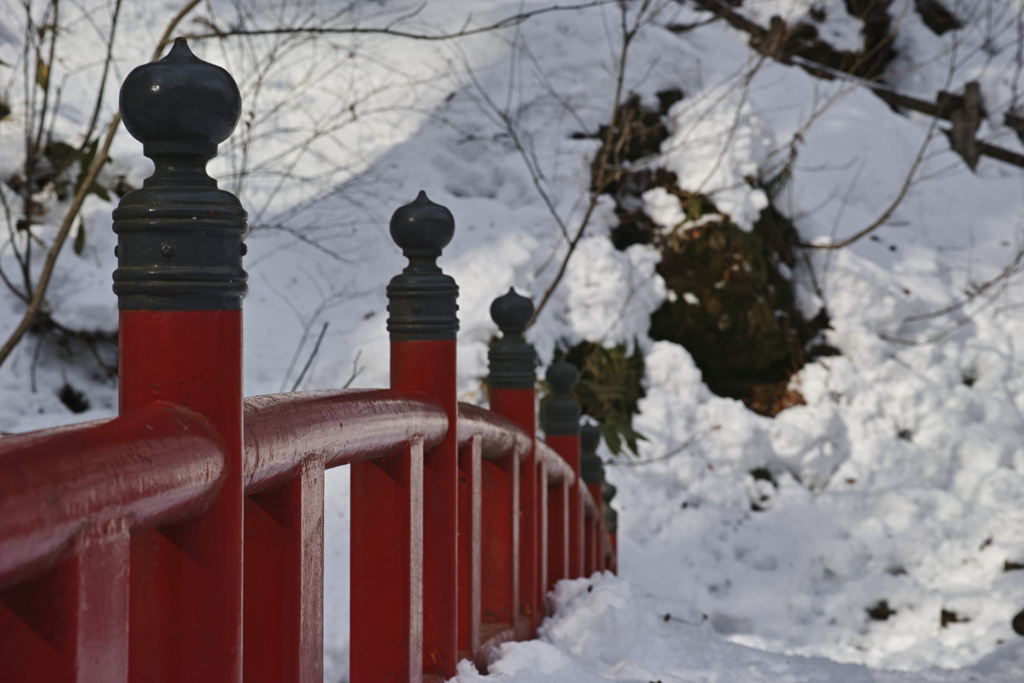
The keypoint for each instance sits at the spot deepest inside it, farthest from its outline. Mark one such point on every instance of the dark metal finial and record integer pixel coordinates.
(608, 492)
(562, 376)
(511, 312)
(562, 412)
(421, 226)
(511, 360)
(179, 237)
(591, 467)
(180, 99)
(422, 298)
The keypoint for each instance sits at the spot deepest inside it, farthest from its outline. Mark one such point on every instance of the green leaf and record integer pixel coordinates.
(100, 191)
(79, 244)
(85, 157)
(60, 155)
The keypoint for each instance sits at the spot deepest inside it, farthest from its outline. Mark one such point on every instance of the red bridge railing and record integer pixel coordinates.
(183, 540)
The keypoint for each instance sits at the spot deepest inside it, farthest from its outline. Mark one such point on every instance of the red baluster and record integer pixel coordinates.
(180, 284)
(422, 325)
(511, 387)
(562, 433)
(470, 538)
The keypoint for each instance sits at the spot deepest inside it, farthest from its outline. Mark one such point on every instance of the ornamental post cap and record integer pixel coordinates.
(180, 99)
(422, 226)
(511, 312)
(608, 492)
(591, 467)
(562, 376)
(590, 437)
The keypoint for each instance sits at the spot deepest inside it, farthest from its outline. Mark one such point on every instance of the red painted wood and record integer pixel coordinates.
(153, 467)
(469, 547)
(283, 430)
(499, 435)
(568, 446)
(71, 623)
(558, 532)
(284, 561)
(520, 406)
(499, 535)
(429, 366)
(386, 609)
(186, 579)
(544, 495)
(597, 542)
(588, 545)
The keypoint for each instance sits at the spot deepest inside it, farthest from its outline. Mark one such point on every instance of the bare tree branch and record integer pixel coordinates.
(39, 293)
(389, 30)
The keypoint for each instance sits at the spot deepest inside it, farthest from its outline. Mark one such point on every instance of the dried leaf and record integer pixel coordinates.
(42, 73)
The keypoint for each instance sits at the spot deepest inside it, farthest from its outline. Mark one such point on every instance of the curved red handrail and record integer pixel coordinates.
(282, 430)
(499, 435)
(557, 468)
(150, 468)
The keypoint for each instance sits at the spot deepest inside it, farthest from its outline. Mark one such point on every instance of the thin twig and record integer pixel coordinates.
(601, 182)
(312, 355)
(390, 31)
(669, 454)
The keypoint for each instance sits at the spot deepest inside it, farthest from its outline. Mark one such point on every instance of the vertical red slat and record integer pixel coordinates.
(597, 545)
(544, 496)
(386, 608)
(71, 623)
(520, 406)
(284, 560)
(568, 446)
(596, 493)
(186, 580)
(558, 533)
(588, 545)
(429, 366)
(498, 575)
(469, 549)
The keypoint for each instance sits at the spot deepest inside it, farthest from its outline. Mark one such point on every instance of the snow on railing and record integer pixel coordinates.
(183, 540)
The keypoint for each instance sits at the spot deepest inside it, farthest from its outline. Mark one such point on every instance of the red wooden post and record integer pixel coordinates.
(180, 284)
(562, 433)
(469, 549)
(422, 325)
(511, 385)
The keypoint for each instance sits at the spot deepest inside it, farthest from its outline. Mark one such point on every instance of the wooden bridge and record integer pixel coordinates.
(183, 540)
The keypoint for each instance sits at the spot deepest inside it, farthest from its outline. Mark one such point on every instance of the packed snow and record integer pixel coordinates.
(888, 536)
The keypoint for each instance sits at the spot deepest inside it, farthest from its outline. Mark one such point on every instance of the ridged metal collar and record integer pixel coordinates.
(421, 299)
(512, 361)
(562, 412)
(591, 467)
(180, 237)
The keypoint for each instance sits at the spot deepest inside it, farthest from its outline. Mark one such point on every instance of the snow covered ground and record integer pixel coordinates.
(899, 482)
